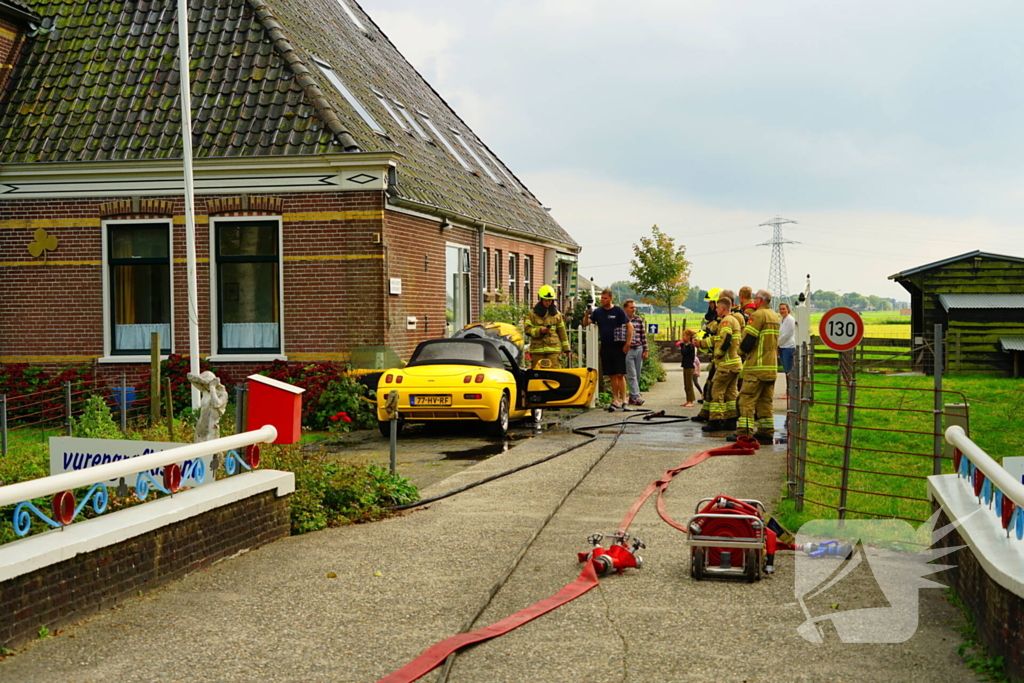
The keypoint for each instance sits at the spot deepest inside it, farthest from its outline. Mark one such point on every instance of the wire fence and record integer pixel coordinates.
(861, 450)
(52, 411)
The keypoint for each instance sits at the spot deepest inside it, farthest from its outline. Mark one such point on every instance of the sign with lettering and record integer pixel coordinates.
(841, 329)
(68, 454)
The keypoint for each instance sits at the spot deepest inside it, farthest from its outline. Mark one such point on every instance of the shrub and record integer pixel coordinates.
(328, 391)
(512, 313)
(332, 493)
(96, 421)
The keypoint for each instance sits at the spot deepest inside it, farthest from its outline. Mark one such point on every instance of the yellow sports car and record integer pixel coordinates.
(477, 380)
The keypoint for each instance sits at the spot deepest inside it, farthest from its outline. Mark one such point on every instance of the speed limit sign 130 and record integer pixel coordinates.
(841, 329)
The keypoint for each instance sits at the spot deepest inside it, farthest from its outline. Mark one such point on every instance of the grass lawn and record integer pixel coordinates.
(902, 453)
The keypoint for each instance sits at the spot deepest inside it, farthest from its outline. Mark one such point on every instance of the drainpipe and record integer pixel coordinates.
(481, 285)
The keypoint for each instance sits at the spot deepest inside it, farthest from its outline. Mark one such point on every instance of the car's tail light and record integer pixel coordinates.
(467, 379)
(398, 379)
(473, 397)
(387, 378)
(480, 378)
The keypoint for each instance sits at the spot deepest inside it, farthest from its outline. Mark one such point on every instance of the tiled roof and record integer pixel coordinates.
(949, 301)
(104, 86)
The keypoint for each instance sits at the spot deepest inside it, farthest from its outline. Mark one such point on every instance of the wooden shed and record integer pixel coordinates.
(978, 298)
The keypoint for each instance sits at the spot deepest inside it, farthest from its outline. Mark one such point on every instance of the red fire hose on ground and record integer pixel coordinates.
(617, 557)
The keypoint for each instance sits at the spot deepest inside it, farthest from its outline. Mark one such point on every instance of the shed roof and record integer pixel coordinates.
(104, 86)
(954, 259)
(949, 301)
(1011, 343)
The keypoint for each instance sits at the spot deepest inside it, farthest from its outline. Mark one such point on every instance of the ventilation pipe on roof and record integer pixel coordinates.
(304, 77)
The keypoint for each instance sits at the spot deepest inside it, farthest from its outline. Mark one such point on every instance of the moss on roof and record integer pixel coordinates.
(104, 86)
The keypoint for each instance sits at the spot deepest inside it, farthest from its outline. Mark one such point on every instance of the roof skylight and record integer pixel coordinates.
(412, 122)
(349, 97)
(465, 143)
(352, 15)
(444, 141)
(387, 107)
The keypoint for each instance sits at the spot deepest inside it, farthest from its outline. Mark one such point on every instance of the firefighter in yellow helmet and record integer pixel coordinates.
(705, 341)
(546, 329)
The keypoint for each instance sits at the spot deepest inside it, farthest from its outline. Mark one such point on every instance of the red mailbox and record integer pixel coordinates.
(272, 402)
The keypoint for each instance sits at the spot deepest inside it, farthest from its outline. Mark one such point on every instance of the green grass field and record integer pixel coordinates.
(902, 406)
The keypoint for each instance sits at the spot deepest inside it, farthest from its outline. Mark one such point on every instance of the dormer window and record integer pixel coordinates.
(349, 97)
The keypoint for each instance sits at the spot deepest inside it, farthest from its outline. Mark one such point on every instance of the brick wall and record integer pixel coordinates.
(333, 274)
(507, 245)
(998, 613)
(70, 591)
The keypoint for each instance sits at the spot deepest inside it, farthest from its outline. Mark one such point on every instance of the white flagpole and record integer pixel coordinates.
(190, 199)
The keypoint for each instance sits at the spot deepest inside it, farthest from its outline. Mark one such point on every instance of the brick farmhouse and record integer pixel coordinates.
(340, 202)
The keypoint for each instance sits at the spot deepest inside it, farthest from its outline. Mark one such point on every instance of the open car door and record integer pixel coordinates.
(573, 388)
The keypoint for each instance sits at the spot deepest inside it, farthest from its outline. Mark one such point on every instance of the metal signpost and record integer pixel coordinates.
(842, 329)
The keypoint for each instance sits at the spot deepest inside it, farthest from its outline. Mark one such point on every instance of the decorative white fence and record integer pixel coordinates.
(986, 479)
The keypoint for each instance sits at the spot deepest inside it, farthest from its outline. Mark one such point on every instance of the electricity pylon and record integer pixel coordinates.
(778, 282)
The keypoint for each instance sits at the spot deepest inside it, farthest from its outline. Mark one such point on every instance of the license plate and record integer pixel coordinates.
(430, 400)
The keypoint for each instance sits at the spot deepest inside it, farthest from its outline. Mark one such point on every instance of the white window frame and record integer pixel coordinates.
(444, 141)
(497, 165)
(215, 299)
(527, 279)
(328, 71)
(352, 15)
(472, 152)
(108, 342)
(513, 273)
(485, 270)
(387, 107)
(404, 111)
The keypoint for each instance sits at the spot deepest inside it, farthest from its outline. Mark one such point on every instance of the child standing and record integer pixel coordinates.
(691, 366)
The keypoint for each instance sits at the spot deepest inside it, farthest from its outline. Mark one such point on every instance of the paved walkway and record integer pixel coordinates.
(405, 583)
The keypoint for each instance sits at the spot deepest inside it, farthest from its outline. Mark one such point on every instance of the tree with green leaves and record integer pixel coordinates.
(660, 271)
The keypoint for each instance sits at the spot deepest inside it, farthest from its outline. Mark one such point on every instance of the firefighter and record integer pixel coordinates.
(704, 341)
(759, 344)
(722, 411)
(546, 330)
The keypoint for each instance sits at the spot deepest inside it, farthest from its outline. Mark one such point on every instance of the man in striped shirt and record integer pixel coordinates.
(759, 345)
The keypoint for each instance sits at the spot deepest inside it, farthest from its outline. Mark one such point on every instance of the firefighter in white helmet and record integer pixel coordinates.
(546, 329)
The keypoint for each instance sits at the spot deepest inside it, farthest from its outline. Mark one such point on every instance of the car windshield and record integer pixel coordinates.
(457, 352)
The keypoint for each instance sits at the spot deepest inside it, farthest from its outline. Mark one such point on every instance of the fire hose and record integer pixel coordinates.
(616, 558)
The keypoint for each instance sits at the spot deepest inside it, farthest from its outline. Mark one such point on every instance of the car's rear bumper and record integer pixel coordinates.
(484, 408)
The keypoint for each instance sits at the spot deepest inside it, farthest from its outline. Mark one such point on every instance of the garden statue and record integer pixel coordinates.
(211, 406)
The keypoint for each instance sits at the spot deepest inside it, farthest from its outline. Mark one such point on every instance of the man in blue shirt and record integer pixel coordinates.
(616, 334)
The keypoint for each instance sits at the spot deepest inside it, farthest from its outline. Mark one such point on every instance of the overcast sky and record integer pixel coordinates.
(892, 132)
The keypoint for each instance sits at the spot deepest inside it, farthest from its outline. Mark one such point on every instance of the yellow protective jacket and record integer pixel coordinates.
(727, 345)
(760, 343)
(556, 340)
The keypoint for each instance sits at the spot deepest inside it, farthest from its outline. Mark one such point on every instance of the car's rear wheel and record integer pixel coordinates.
(385, 427)
(499, 427)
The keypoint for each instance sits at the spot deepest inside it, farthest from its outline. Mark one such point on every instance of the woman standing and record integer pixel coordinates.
(690, 366)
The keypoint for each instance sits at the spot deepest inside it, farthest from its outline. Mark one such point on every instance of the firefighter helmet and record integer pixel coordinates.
(546, 292)
(713, 294)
